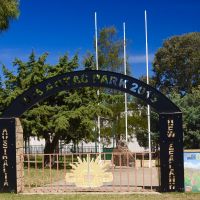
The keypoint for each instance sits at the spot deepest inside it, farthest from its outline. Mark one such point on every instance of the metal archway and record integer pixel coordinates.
(90, 78)
(170, 117)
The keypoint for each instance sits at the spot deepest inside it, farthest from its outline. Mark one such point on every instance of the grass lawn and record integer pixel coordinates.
(39, 177)
(174, 196)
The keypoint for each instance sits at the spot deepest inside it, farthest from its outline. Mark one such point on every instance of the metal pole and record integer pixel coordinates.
(126, 117)
(97, 68)
(96, 43)
(148, 107)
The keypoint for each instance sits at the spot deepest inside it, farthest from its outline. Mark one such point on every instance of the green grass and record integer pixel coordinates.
(40, 177)
(174, 196)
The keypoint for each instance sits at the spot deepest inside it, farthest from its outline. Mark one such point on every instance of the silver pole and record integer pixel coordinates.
(147, 70)
(126, 117)
(96, 43)
(97, 68)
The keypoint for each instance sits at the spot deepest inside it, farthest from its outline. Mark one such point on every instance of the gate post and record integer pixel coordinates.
(11, 155)
(171, 152)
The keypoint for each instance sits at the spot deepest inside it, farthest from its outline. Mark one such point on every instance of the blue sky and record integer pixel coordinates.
(59, 26)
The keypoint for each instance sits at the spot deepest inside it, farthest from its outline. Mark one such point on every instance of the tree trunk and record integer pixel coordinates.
(49, 149)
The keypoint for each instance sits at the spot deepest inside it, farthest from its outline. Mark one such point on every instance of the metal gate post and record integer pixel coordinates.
(11, 150)
(171, 152)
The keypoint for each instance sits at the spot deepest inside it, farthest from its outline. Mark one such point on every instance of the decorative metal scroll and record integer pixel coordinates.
(89, 78)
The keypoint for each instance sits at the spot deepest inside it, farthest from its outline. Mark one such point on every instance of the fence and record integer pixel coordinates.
(39, 149)
(105, 172)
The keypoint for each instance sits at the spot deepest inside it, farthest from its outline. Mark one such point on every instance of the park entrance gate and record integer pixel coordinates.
(170, 123)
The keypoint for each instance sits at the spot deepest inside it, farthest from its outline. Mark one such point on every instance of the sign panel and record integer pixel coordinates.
(7, 155)
(192, 170)
(171, 153)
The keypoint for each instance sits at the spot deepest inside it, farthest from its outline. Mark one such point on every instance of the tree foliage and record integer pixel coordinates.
(110, 50)
(68, 115)
(190, 106)
(115, 124)
(9, 10)
(177, 73)
(177, 63)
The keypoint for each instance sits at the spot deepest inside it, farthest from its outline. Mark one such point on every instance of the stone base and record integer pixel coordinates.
(19, 156)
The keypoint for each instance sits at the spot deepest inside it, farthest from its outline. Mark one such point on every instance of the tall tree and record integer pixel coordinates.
(110, 50)
(9, 10)
(115, 125)
(177, 63)
(68, 115)
(190, 106)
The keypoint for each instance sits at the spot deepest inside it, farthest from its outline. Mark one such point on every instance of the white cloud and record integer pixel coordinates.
(133, 59)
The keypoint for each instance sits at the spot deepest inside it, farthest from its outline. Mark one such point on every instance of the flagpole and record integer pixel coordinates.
(97, 68)
(148, 107)
(126, 117)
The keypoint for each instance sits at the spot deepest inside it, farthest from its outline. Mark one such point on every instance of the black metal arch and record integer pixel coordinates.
(170, 120)
(90, 78)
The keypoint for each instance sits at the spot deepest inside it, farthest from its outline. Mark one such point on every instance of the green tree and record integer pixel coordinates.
(68, 115)
(115, 124)
(177, 64)
(177, 74)
(137, 122)
(142, 132)
(110, 50)
(9, 10)
(190, 106)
